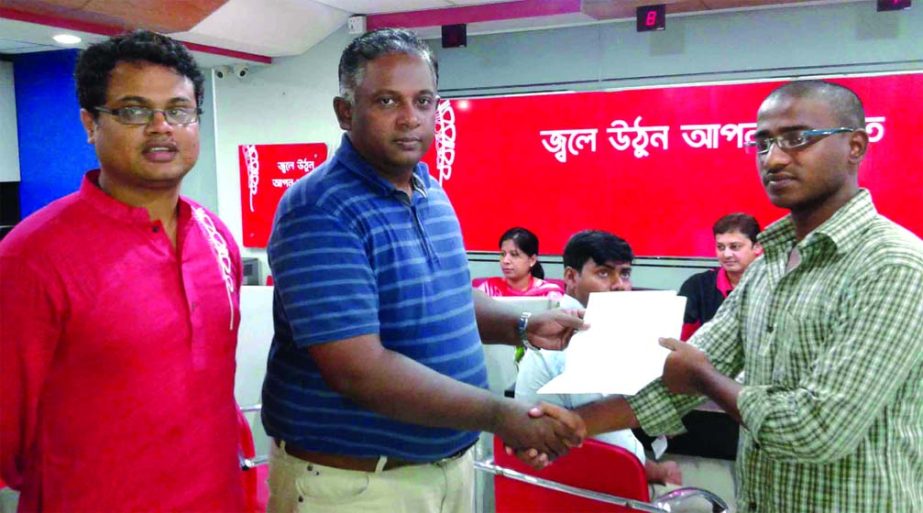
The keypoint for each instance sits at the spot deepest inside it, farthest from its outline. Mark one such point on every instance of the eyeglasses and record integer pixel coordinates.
(794, 140)
(144, 115)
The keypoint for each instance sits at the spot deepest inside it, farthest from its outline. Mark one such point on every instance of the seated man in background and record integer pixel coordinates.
(735, 247)
(594, 261)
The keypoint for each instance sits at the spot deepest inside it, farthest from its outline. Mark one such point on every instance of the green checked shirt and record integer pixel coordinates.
(832, 351)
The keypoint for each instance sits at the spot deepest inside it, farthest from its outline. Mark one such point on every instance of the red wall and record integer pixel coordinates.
(503, 171)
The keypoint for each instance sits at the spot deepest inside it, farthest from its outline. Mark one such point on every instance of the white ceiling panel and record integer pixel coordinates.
(462, 3)
(514, 25)
(277, 28)
(11, 46)
(288, 28)
(19, 37)
(382, 6)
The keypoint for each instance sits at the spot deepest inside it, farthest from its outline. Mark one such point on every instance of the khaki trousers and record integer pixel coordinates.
(298, 486)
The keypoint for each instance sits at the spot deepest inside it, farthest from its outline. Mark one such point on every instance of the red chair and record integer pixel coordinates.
(557, 281)
(476, 282)
(596, 477)
(255, 469)
(596, 466)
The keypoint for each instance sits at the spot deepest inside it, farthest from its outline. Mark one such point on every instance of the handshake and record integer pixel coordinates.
(539, 434)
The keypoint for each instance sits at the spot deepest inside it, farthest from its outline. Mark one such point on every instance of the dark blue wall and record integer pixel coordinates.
(53, 149)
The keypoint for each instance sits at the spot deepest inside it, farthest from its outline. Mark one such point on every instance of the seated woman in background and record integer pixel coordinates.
(522, 273)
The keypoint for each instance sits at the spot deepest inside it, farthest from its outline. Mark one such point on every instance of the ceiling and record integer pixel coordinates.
(255, 31)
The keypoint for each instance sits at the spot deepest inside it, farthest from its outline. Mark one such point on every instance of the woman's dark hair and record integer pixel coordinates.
(97, 62)
(527, 242)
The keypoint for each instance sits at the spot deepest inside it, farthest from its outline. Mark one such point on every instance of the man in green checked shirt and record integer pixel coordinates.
(827, 325)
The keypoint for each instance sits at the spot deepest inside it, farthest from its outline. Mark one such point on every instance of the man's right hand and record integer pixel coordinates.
(552, 435)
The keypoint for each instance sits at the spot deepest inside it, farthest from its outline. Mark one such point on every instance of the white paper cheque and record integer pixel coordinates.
(619, 353)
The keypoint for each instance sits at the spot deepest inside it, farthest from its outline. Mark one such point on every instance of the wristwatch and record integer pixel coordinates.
(521, 331)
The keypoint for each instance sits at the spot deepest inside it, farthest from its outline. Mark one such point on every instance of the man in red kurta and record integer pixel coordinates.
(120, 307)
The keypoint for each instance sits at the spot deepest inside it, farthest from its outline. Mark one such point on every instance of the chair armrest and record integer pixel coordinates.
(671, 500)
(251, 409)
(252, 463)
(491, 468)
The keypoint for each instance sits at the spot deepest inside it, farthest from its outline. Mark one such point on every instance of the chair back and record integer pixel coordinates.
(558, 281)
(476, 282)
(596, 466)
(254, 479)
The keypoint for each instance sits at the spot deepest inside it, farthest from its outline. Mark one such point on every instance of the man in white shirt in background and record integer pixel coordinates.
(594, 261)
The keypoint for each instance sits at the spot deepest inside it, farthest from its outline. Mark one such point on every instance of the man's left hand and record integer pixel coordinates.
(684, 366)
(553, 329)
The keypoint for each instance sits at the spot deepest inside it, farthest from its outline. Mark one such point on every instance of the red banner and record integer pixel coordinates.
(266, 171)
(656, 166)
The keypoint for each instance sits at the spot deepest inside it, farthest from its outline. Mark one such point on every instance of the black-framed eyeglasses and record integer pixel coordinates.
(796, 139)
(144, 115)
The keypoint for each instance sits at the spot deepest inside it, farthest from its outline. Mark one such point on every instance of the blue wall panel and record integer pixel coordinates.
(53, 152)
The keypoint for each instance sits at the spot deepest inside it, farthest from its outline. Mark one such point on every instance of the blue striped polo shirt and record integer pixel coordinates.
(352, 255)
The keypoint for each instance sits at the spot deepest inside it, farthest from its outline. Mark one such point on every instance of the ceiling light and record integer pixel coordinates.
(66, 39)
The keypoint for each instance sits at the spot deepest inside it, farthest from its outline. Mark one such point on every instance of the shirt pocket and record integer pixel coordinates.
(798, 341)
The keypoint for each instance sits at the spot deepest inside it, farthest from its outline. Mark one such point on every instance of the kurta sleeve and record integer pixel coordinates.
(32, 310)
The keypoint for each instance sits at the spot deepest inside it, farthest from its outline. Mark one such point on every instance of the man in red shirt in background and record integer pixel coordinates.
(735, 248)
(120, 309)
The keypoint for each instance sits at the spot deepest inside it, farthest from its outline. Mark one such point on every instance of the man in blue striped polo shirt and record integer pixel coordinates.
(376, 385)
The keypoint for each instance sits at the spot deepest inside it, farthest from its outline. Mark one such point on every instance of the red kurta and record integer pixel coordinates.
(117, 359)
(499, 287)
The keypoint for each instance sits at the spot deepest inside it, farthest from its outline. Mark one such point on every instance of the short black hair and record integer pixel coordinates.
(601, 246)
(737, 222)
(95, 65)
(527, 242)
(372, 45)
(844, 102)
